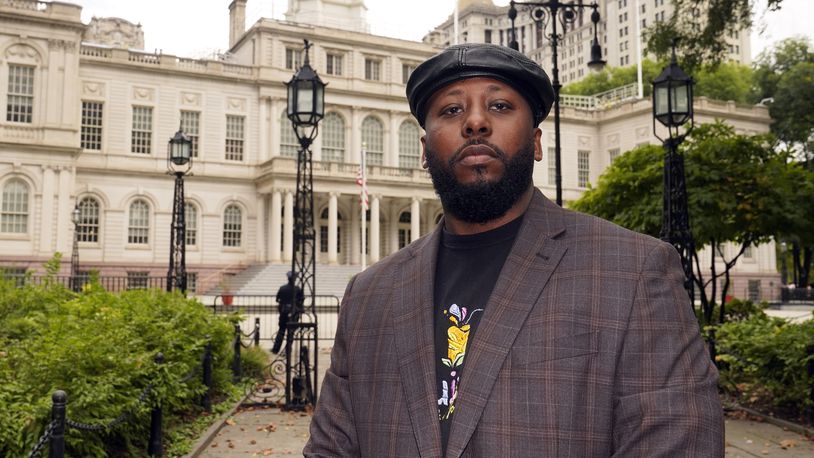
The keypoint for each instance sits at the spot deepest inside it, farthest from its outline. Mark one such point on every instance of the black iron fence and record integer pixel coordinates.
(56, 431)
(788, 294)
(113, 284)
(264, 310)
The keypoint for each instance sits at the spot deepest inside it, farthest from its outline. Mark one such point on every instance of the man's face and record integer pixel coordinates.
(480, 147)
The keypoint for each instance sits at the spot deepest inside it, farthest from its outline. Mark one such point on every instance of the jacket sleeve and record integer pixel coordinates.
(666, 398)
(333, 431)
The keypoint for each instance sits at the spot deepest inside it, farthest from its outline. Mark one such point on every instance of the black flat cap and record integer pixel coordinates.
(486, 60)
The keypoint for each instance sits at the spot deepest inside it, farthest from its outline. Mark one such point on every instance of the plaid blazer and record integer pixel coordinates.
(587, 348)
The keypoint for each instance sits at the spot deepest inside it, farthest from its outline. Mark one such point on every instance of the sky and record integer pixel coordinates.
(197, 28)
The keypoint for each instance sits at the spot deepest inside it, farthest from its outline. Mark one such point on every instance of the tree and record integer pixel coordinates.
(612, 77)
(738, 191)
(793, 107)
(772, 63)
(706, 43)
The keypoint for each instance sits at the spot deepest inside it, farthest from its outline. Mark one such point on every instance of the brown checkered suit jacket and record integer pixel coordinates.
(587, 348)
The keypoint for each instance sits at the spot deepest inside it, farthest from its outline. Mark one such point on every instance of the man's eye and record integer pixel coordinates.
(500, 106)
(451, 110)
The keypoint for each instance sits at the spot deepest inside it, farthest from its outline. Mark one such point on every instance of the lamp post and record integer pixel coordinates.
(672, 107)
(306, 107)
(566, 13)
(179, 163)
(75, 214)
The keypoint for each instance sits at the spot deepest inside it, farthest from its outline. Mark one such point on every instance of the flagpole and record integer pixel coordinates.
(640, 86)
(363, 204)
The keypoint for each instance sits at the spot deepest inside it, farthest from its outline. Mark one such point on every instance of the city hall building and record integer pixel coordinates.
(88, 115)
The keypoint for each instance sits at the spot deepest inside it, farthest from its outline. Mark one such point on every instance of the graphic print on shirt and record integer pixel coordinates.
(457, 339)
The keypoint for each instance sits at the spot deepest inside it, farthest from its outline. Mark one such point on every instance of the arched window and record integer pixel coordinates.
(191, 223)
(373, 138)
(333, 138)
(138, 227)
(404, 229)
(232, 226)
(409, 141)
(88, 228)
(288, 139)
(14, 214)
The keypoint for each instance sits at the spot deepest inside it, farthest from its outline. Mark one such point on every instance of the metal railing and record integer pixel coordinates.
(111, 284)
(601, 100)
(796, 294)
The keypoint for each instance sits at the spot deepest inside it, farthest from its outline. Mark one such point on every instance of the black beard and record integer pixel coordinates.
(482, 201)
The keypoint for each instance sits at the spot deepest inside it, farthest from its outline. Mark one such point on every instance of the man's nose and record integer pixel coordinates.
(476, 124)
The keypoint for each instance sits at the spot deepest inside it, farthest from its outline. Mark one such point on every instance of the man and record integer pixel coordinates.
(516, 328)
(288, 295)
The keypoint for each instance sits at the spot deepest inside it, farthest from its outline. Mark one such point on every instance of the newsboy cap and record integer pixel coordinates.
(485, 60)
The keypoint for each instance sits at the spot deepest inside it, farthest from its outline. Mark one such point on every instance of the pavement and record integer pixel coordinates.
(270, 432)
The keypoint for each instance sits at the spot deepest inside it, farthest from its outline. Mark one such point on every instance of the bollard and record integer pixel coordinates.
(154, 447)
(257, 331)
(810, 367)
(236, 359)
(59, 399)
(206, 401)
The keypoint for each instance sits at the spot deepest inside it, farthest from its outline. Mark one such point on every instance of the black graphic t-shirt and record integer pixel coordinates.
(466, 272)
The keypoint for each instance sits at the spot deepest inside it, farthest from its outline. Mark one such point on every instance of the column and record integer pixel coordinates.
(264, 125)
(261, 228)
(394, 227)
(375, 245)
(415, 220)
(392, 158)
(46, 231)
(276, 232)
(64, 208)
(288, 227)
(332, 229)
(355, 232)
(274, 128)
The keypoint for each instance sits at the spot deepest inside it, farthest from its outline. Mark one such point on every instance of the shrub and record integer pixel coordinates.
(100, 349)
(764, 361)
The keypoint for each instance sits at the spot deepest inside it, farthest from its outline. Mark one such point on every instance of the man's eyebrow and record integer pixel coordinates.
(459, 91)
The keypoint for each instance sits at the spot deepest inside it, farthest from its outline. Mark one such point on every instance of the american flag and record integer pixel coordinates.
(361, 180)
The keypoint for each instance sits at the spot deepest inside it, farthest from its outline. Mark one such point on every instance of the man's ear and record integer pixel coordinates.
(424, 164)
(538, 147)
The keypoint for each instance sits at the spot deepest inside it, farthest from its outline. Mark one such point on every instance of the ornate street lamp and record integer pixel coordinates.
(566, 13)
(179, 163)
(306, 108)
(672, 107)
(75, 214)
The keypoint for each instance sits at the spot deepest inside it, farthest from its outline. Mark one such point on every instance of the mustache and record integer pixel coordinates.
(476, 141)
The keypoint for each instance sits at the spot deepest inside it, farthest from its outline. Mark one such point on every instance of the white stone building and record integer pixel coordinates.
(88, 119)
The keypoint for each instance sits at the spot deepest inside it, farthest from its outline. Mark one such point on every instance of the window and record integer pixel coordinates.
(289, 145)
(613, 154)
(293, 57)
(88, 228)
(138, 228)
(333, 64)
(333, 138)
(748, 253)
(323, 232)
(137, 280)
(373, 69)
(552, 167)
(91, 133)
(190, 120)
(487, 36)
(404, 229)
(142, 135)
(14, 214)
(406, 71)
(373, 139)
(409, 140)
(191, 222)
(753, 292)
(583, 168)
(232, 226)
(20, 102)
(234, 137)
(192, 282)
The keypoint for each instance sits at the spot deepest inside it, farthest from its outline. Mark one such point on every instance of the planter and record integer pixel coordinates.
(227, 299)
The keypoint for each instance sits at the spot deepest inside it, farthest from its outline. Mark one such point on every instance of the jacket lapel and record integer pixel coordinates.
(528, 267)
(413, 329)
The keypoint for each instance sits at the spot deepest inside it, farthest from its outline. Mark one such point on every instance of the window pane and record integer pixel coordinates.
(138, 229)
(373, 138)
(190, 122)
(91, 134)
(234, 138)
(88, 227)
(232, 226)
(333, 138)
(142, 135)
(191, 222)
(20, 99)
(288, 139)
(409, 141)
(583, 168)
(552, 167)
(14, 214)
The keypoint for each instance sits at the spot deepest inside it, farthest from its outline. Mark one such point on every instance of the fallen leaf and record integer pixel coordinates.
(253, 442)
(230, 422)
(788, 443)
